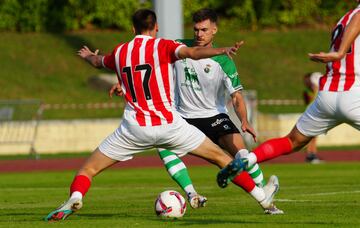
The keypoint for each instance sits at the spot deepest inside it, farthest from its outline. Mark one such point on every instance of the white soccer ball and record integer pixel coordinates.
(170, 204)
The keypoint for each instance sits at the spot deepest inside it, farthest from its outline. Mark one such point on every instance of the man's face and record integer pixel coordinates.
(204, 32)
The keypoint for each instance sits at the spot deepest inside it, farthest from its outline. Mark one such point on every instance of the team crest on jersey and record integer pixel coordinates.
(207, 68)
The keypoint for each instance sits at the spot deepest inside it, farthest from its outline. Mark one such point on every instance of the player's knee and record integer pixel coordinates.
(297, 139)
(88, 171)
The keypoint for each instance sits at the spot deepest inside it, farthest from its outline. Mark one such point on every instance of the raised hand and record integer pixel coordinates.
(325, 57)
(91, 57)
(229, 51)
(246, 127)
(85, 52)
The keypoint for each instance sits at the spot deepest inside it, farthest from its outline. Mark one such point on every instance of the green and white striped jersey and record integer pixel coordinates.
(201, 85)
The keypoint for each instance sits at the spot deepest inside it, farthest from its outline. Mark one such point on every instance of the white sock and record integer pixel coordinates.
(241, 153)
(258, 194)
(252, 159)
(76, 195)
(190, 190)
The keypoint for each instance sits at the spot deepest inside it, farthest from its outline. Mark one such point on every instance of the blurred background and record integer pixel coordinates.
(51, 101)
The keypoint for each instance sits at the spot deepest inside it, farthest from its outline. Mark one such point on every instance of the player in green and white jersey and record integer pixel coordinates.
(200, 96)
(200, 88)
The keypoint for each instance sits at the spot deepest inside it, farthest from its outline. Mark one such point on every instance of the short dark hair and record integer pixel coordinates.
(308, 75)
(204, 14)
(143, 20)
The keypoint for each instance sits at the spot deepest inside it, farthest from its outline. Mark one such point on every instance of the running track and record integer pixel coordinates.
(7, 166)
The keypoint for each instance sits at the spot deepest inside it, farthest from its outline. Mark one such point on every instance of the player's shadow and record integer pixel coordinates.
(189, 222)
(74, 41)
(108, 215)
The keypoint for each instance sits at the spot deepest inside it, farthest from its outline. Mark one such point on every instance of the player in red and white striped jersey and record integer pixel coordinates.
(342, 72)
(143, 67)
(338, 100)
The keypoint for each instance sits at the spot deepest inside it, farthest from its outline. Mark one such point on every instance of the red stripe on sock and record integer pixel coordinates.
(273, 148)
(81, 184)
(244, 181)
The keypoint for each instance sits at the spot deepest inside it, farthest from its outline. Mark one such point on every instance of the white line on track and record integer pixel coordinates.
(317, 194)
(331, 193)
(294, 200)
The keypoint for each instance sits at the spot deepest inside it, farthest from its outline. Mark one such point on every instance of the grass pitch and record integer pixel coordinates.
(326, 195)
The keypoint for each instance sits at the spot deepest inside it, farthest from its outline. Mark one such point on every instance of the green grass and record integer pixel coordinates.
(324, 195)
(45, 66)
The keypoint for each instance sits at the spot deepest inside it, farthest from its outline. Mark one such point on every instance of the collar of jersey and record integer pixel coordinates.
(144, 36)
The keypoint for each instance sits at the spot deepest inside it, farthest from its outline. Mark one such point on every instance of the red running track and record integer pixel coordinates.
(7, 166)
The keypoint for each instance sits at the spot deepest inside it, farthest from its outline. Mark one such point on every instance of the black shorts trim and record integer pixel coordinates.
(214, 127)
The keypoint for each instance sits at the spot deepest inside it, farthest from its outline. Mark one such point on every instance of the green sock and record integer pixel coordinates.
(257, 175)
(177, 170)
(254, 170)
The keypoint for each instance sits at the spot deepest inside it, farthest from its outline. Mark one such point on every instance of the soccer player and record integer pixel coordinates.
(200, 87)
(143, 67)
(337, 102)
(200, 98)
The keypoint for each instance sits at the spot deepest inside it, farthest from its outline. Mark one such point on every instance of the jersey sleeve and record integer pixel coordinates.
(108, 61)
(187, 42)
(230, 74)
(173, 48)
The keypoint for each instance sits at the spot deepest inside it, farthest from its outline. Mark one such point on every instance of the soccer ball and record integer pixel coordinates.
(170, 204)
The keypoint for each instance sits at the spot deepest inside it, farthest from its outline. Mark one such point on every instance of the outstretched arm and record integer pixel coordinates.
(352, 30)
(91, 57)
(238, 103)
(207, 52)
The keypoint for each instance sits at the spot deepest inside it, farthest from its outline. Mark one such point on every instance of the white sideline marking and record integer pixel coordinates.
(331, 193)
(294, 200)
(317, 194)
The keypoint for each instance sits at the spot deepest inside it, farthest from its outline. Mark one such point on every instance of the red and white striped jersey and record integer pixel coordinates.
(145, 72)
(343, 75)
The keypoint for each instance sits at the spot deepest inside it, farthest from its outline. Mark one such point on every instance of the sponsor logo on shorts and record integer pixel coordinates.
(226, 127)
(219, 121)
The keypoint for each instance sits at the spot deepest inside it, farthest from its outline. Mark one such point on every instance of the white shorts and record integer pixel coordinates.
(329, 110)
(179, 137)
